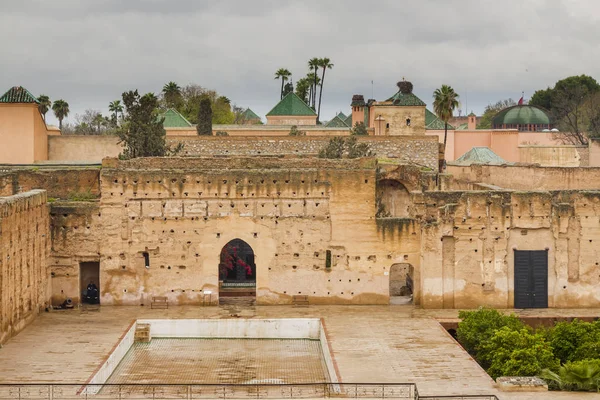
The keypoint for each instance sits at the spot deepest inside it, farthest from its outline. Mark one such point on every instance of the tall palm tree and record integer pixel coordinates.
(444, 103)
(313, 66)
(326, 64)
(312, 78)
(61, 111)
(284, 75)
(172, 93)
(44, 105)
(115, 107)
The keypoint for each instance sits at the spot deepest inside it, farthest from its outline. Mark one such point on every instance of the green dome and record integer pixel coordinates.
(521, 115)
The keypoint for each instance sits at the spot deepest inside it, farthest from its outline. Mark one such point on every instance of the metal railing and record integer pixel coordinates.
(223, 391)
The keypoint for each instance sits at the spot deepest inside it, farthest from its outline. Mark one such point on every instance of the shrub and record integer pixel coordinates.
(576, 340)
(338, 146)
(479, 326)
(81, 196)
(516, 352)
(334, 149)
(294, 131)
(357, 150)
(579, 375)
(359, 129)
(221, 133)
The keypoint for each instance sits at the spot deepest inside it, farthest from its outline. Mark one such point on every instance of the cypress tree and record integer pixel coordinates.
(204, 125)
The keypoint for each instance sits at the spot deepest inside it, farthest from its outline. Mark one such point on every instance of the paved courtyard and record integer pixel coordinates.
(383, 344)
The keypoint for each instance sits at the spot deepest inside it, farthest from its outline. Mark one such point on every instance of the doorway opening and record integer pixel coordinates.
(89, 282)
(237, 273)
(401, 283)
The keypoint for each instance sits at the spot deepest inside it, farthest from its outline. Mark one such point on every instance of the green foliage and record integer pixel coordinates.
(61, 111)
(284, 75)
(142, 133)
(326, 64)
(338, 146)
(444, 103)
(479, 326)
(516, 352)
(359, 129)
(294, 131)
(204, 125)
(115, 107)
(81, 196)
(172, 95)
(575, 340)
(221, 133)
(491, 110)
(303, 87)
(581, 375)
(44, 105)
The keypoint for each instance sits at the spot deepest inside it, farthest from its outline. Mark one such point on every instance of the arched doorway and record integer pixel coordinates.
(401, 283)
(237, 272)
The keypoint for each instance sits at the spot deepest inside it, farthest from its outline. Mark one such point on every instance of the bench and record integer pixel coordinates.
(300, 301)
(159, 302)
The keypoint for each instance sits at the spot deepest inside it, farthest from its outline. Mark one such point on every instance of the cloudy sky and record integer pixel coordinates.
(89, 52)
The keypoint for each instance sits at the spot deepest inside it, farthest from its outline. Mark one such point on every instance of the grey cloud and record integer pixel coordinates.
(89, 52)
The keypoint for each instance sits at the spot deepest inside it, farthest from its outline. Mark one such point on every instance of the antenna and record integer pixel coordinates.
(372, 90)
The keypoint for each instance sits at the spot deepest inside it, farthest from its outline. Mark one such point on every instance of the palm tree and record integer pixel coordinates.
(312, 78)
(284, 75)
(61, 111)
(98, 121)
(444, 103)
(172, 94)
(115, 107)
(44, 105)
(580, 375)
(326, 64)
(313, 65)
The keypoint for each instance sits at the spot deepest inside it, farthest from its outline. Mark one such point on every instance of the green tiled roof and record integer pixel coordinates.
(406, 99)
(18, 94)
(521, 115)
(480, 155)
(250, 115)
(348, 121)
(342, 116)
(462, 127)
(291, 104)
(174, 119)
(337, 122)
(432, 122)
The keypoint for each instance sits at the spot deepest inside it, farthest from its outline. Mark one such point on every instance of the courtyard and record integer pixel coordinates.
(369, 344)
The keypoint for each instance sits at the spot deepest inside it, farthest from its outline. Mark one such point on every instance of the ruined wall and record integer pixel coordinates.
(555, 156)
(523, 177)
(469, 239)
(24, 241)
(420, 150)
(59, 183)
(182, 212)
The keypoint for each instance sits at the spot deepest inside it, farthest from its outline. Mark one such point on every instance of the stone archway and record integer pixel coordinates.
(237, 271)
(401, 283)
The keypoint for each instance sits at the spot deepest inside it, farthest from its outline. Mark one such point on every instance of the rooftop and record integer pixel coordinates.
(521, 115)
(293, 105)
(173, 119)
(18, 94)
(432, 122)
(480, 155)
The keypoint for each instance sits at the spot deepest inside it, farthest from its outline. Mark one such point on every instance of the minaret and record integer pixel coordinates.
(472, 122)
(358, 109)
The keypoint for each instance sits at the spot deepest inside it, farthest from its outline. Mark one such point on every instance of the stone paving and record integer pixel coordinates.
(384, 344)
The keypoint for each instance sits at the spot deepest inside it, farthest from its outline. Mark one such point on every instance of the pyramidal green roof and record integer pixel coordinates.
(18, 94)
(342, 116)
(480, 155)
(249, 114)
(337, 122)
(173, 119)
(406, 100)
(291, 104)
(432, 122)
(348, 121)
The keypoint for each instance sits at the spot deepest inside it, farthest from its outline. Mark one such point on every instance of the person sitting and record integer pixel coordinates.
(91, 296)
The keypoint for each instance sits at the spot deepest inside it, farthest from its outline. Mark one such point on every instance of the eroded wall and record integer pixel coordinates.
(24, 243)
(396, 118)
(469, 239)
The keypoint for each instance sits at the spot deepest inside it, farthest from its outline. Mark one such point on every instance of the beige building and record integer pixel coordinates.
(292, 110)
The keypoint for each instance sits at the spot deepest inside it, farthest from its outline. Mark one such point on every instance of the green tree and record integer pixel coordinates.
(61, 111)
(142, 133)
(115, 107)
(221, 111)
(294, 131)
(357, 150)
(172, 94)
(99, 121)
(313, 66)
(491, 110)
(477, 327)
(576, 340)
(334, 148)
(566, 103)
(284, 75)
(580, 375)
(516, 352)
(44, 105)
(359, 129)
(337, 147)
(204, 125)
(303, 86)
(444, 103)
(326, 64)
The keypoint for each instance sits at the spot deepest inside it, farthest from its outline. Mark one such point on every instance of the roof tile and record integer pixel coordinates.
(18, 94)
(291, 104)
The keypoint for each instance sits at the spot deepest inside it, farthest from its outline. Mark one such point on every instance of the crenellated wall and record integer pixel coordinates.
(24, 243)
